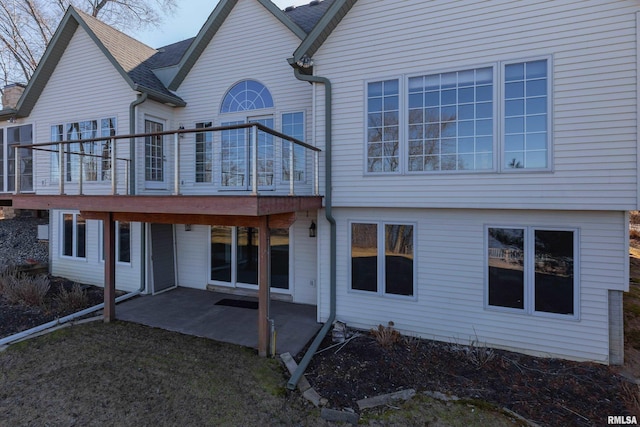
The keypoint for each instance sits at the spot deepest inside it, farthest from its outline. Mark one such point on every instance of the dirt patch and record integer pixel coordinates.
(548, 391)
(15, 318)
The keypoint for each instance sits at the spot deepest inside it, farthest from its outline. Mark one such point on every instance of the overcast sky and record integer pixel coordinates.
(189, 18)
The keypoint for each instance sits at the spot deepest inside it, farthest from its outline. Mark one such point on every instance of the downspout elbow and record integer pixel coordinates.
(132, 142)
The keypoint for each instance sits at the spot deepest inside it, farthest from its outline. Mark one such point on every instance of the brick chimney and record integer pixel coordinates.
(11, 95)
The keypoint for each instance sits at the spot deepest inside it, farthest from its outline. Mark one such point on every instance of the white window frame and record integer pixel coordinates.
(529, 272)
(498, 68)
(101, 242)
(74, 238)
(234, 283)
(381, 286)
(101, 176)
(550, 115)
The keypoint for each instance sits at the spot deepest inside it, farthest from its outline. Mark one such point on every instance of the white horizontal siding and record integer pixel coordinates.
(303, 260)
(250, 44)
(84, 86)
(90, 270)
(593, 49)
(450, 259)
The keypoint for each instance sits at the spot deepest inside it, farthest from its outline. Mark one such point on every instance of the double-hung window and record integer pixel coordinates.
(74, 235)
(532, 270)
(382, 258)
(492, 118)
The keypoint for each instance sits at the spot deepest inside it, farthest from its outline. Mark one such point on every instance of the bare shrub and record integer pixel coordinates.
(634, 217)
(21, 288)
(73, 299)
(479, 355)
(634, 234)
(7, 273)
(386, 336)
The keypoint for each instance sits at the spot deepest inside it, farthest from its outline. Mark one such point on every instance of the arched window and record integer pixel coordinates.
(246, 95)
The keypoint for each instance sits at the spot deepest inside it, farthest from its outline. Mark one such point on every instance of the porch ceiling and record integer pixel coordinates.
(248, 206)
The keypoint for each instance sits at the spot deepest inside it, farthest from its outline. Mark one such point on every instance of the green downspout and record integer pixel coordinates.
(132, 142)
(293, 381)
(132, 182)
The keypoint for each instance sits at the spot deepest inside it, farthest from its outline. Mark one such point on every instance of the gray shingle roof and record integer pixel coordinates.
(133, 56)
(307, 16)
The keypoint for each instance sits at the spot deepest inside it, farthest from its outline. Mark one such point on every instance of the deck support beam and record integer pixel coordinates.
(109, 238)
(263, 287)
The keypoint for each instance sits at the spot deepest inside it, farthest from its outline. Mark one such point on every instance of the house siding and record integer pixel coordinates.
(221, 66)
(592, 48)
(70, 96)
(90, 270)
(450, 253)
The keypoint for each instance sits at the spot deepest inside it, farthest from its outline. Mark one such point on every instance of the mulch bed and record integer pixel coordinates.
(549, 392)
(15, 318)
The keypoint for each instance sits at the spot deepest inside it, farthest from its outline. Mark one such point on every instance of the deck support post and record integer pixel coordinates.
(109, 238)
(263, 287)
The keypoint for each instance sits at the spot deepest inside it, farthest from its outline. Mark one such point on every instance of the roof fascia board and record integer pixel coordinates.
(49, 61)
(280, 15)
(323, 28)
(8, 113)
(208, 30)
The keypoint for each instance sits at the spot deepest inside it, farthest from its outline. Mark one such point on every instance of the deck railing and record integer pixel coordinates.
(249, 147)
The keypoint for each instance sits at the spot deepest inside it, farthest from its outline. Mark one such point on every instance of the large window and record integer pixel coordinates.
(235, 252)
(16, 136)
(74, 235)
(153, 153)
(95, 155)
(383, 110)
(451, 121)
(525, 111)
(293, 125)
(204, 153)
(532, 269)
(382, 258)
(454, 121)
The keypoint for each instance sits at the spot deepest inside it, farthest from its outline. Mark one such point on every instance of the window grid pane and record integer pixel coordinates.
(204, 153)
(450, 121)
(234, 156)
(153, 152)
(293, 125)
(246, 95)
(383, 111)
(525, 115)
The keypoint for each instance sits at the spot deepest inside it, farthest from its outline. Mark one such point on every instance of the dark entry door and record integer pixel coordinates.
(162, 258)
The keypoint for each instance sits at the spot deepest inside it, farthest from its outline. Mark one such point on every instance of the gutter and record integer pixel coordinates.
(132, 142)
(20, 335)
(304, 363)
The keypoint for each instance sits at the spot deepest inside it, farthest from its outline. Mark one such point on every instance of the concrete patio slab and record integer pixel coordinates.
(193, 312)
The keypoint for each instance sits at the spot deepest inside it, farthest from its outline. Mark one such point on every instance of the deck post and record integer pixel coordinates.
(176, 166)
(254, 160)
(263, 287)
(16, 167)
(291, 169)
(61, 168)
(114, 169)
(109, 238)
